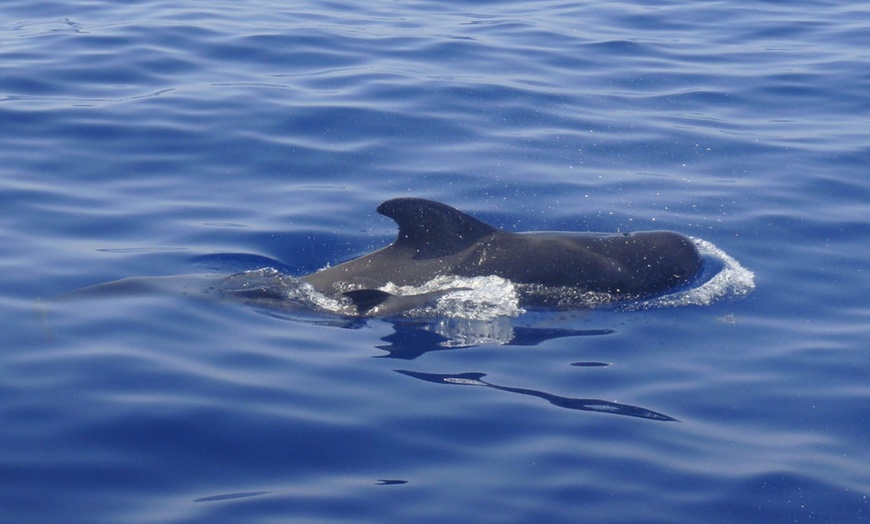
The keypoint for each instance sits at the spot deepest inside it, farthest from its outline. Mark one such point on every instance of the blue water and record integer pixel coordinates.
(164, 138)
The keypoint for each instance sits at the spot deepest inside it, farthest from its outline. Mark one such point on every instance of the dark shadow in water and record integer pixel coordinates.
(580, 404)
(390, 482)
(531, 336)
(412, 339)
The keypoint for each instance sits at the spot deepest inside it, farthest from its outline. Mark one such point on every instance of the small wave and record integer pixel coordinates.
(731, 280)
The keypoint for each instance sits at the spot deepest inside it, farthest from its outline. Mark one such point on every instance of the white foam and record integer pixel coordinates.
(484, 298)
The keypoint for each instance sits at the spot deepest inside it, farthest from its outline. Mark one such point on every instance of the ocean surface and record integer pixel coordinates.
(156, 138)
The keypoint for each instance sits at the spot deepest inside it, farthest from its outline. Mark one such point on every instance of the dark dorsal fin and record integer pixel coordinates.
(433, 229)
(367, 299)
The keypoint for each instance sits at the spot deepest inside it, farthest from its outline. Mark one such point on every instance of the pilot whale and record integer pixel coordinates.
(548, 269)
(436, 240)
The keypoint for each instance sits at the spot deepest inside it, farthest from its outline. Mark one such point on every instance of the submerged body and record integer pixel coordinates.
(437, 240)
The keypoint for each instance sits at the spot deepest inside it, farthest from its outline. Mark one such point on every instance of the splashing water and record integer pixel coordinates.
(482, 298)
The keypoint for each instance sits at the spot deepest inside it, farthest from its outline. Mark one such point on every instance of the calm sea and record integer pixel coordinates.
(163, 138)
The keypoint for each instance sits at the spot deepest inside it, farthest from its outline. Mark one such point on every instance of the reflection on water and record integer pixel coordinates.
(580, 404)
(231, 496)
(411, 339)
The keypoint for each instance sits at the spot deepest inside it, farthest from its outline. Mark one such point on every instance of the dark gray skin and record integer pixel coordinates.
(436, 240)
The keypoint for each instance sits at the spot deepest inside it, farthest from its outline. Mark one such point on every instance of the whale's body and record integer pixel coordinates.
(437, 240)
